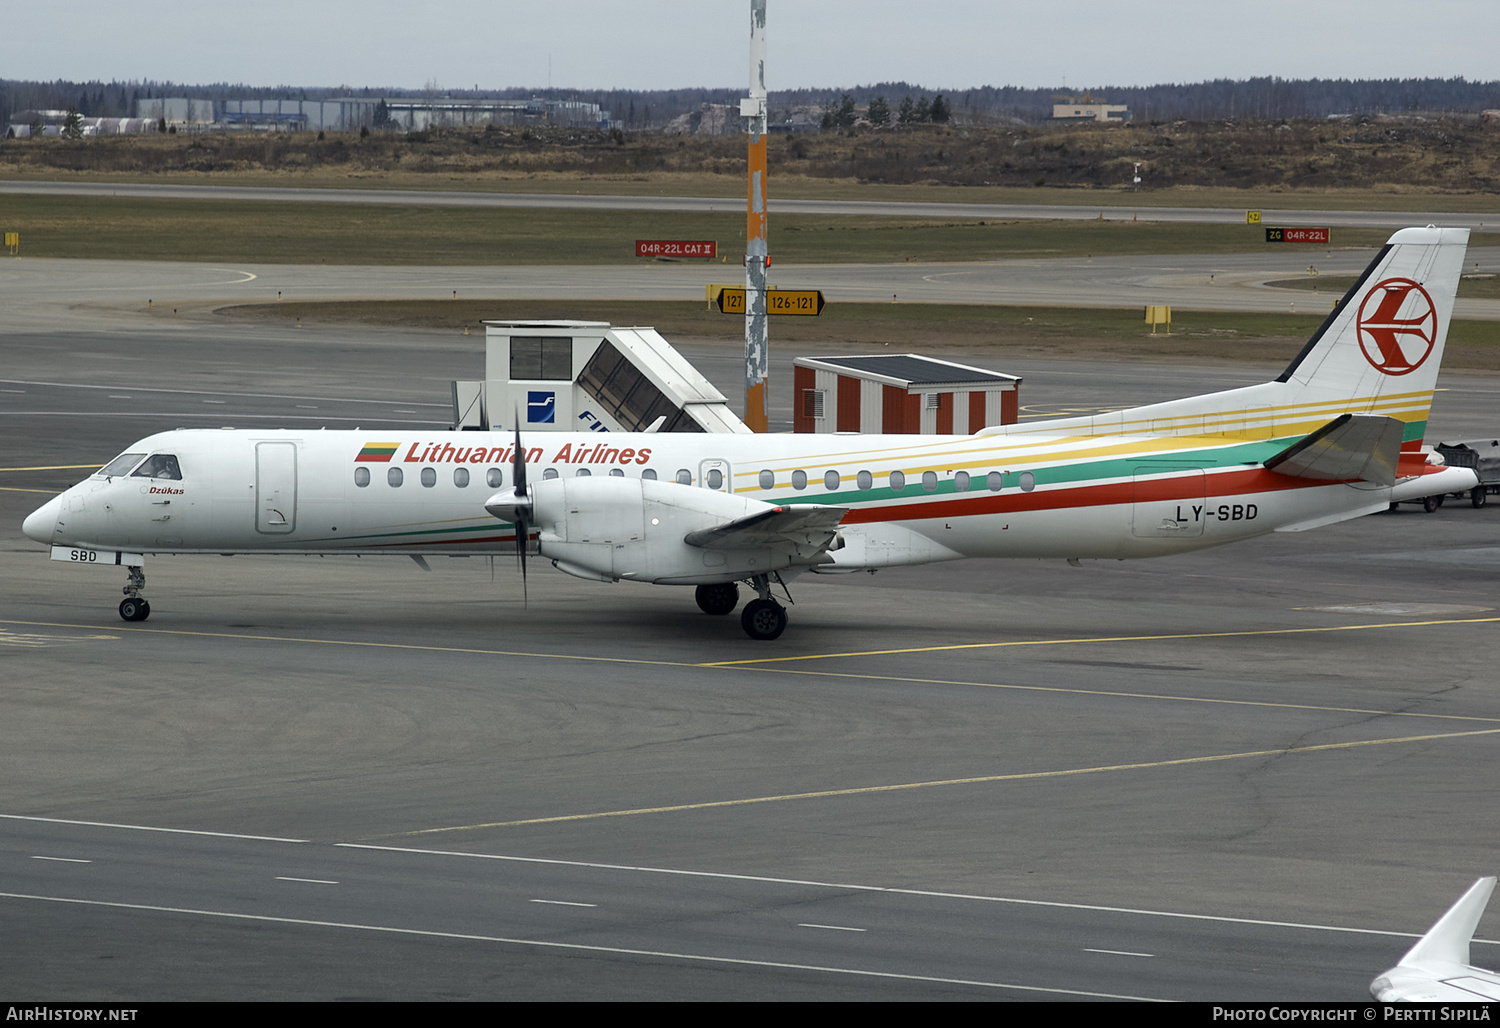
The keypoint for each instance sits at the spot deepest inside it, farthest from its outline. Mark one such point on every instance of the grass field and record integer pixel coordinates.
(309, 233)
(1071, 333)
(1388, 164)
(1477, 288)
(802, 187)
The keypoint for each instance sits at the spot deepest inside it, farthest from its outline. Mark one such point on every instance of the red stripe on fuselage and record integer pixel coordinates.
(1228, 483)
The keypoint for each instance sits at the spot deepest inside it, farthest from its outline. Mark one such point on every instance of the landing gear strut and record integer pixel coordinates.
(134, 607)
(720, 598)
(763, 618)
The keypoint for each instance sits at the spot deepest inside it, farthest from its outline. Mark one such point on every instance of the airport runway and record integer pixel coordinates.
(1110, 206)
(49, 295)
(1240, 774)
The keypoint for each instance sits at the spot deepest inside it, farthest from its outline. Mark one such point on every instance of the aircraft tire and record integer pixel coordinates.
(1431, 503)
(133, 609)
(763, 619)
(719, 598)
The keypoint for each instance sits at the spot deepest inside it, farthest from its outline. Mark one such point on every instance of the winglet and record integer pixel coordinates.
(1449, 939)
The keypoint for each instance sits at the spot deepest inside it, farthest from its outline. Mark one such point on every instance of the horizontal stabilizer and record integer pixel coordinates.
(1351, 447)
(812, 525)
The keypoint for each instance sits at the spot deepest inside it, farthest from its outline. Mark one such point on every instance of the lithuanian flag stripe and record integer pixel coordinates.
(377, 452)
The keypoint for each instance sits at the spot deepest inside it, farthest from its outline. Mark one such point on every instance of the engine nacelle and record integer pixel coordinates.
(634, 528)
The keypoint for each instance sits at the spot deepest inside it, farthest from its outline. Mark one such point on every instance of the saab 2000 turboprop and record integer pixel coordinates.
(1337, 435)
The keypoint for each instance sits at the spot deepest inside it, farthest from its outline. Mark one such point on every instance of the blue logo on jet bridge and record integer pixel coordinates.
(540, 408)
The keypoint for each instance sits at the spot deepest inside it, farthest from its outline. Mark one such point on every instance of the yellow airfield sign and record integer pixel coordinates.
(808, 302)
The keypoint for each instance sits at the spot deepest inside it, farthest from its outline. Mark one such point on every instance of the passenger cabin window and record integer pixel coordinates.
(361, 477)
(429, 477)
(961, 482)
(768, 479)
(715, 478)
(393, 476)
(684, 476)
(120, 465)
(995, 480)
(649, 474)
(864, 480)
(494, 478)
(616, 473)
(550, 473)
(1028, 481)
(898, 481)
(161, 465)
(799, 479)
(929, 480)
(830, 480)
(584, 473)
(461, 477)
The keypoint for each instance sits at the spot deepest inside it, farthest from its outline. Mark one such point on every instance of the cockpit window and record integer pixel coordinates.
(160, 465)
(120, 465)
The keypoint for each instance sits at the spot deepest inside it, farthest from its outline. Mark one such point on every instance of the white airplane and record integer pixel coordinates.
(1337, 435)
(1437, 968)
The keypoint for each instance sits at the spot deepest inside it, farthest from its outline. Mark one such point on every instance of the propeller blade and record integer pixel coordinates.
(518, 472)
(518, 464)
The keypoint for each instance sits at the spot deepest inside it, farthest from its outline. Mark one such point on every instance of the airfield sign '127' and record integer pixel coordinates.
(778, 301)
(676, 248)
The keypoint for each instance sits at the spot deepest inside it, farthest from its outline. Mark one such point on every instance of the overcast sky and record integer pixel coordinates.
(664, 44)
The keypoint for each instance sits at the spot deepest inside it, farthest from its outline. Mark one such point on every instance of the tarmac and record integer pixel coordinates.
(1251, 773)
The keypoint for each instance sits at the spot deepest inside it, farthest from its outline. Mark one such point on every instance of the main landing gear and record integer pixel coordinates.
(134, 606)
(762, 618)
(719, 598)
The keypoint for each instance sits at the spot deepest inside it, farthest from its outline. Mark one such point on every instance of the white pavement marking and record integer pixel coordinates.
(577, 947)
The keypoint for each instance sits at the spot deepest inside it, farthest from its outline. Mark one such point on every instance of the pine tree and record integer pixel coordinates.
(879, 113)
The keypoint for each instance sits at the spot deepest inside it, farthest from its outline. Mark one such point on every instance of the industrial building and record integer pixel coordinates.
(1116, 113)
(900, 394)
(350, 114)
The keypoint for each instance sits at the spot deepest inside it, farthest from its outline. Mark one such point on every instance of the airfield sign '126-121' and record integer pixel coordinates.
(778, 301)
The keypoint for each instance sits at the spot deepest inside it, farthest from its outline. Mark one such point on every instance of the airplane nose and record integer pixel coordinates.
(42, 522)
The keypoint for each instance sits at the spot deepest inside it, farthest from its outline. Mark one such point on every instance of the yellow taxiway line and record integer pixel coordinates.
(979, 780)
(1099, 639)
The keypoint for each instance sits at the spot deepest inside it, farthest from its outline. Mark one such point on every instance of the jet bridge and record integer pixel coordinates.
(571, 376)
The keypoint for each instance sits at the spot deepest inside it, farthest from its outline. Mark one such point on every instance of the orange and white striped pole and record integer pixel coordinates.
(757, 252)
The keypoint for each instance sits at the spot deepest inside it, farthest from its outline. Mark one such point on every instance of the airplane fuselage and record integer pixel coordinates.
(909, 499)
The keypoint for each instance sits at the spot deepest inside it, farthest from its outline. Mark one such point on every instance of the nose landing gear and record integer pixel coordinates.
(134, 606)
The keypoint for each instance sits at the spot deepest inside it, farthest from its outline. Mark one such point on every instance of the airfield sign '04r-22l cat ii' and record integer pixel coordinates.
(1337, 435)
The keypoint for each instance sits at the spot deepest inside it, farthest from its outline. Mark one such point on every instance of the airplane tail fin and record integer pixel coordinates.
(1380, 350)
(1377, 354)
(1449, 939)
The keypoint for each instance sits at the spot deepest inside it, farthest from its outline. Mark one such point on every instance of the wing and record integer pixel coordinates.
(810, 529)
